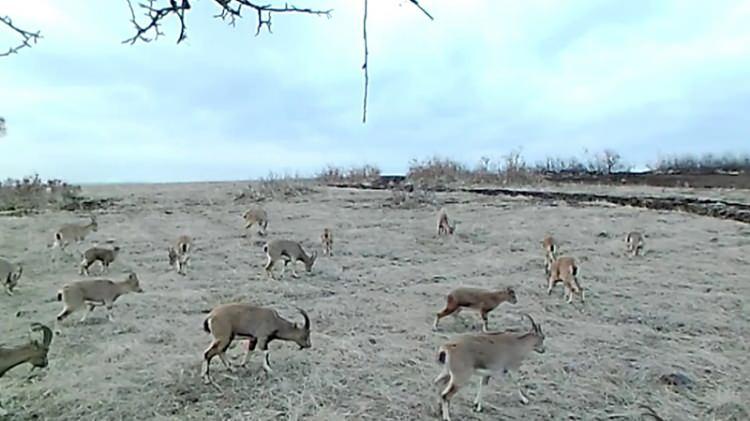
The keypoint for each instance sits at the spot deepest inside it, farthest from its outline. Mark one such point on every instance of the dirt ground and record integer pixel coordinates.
(680, 308)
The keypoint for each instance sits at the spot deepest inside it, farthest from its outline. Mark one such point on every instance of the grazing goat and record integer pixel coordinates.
(179, 254)
(480, 300)
(34, 352)
(634, 243)
(550, 252)
(256, 215)
(565, 270)
(259, 325)
(443, 226)
(290, 252)
(487, 354)
(74, 232)
(94, 254)
(326, 240)
(10, 273)
(95, 292)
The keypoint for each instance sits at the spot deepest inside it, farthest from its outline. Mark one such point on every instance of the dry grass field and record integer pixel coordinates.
(680, 308)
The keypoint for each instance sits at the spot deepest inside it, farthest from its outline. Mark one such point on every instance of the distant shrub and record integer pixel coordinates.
(31, 194)
(708, 163)
(436, 171)
(354, 175)
(275, 187)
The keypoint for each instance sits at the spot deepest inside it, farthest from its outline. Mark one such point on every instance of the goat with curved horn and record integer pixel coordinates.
(487, 354)
(259, 325)
(33, 352)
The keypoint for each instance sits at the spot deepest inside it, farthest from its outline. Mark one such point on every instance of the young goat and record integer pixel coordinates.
(326, 240)
(258, 325)
(487, 354)
(34, 352)
(256, 215)
(634, 243)
(480, 300)
(179, 255)
(94, 254)
(10, 273)
(443, 226)
(289, 251)
(565, 270)
(73, 232)
(95, 292)
(550, 252)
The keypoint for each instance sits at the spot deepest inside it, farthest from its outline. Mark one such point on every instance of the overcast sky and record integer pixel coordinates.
(554, 77)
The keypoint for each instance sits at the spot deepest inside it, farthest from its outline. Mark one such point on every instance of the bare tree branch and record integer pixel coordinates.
(157, 11)
(231, 10)
(364, 66)
(416, 3)
(27, 38)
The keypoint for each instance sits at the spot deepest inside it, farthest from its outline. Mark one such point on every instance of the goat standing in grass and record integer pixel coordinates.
(488, 354)
(259, 325)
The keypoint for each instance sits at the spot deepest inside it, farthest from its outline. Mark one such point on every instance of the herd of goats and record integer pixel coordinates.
(487, 353)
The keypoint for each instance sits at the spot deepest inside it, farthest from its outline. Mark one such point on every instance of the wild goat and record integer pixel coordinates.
(179, 255)
(34, 352)
(443, 226)
(256, 215)
(259, 325)
(10, 273)
(634, 243)
(488, 354)
(73, 232)
(289, 251)
(94, 254)
(565, 270)
(95, 292)
(550, 252)
(480, 300)
(326, 240)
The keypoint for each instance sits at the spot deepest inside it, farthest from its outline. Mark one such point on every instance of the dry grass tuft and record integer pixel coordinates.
(276, 187)
(354, 175)
(32, 194)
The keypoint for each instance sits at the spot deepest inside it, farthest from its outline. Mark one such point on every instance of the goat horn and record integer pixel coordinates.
(47, 332)
(307, 319)
(534, 326)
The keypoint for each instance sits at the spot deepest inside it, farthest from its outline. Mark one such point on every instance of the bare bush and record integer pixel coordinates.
(31, 194)
(606, 162)
(436, 171)
(708, 163)
(275, 187)
(3, 130)
(354, 175)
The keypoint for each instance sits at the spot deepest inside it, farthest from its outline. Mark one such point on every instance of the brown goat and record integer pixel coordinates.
(259, 325)
(94, 254)
(480, 300)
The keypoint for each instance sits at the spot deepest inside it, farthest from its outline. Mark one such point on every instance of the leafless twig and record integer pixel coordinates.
(416, 3)
(231, 10)
(27, 38)
(364, 66)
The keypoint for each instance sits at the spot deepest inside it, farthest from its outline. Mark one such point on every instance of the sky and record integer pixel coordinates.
(646, 78)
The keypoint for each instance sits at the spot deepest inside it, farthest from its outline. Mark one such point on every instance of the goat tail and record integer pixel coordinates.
(443, 355)
(207, 325)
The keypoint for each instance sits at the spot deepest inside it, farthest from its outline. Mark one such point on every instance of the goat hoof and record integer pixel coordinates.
(478, 407)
